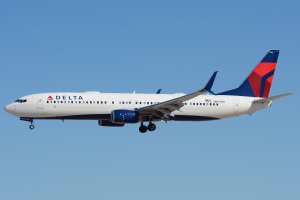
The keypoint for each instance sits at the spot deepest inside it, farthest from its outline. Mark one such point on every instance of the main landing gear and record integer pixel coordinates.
(151, 127)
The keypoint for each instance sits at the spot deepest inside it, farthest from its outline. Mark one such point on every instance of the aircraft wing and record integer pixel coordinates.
(163, 109)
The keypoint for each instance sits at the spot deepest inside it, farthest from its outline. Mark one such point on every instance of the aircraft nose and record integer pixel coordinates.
(8, 108)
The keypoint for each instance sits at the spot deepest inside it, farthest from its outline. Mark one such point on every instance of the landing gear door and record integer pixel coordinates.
(40, 104)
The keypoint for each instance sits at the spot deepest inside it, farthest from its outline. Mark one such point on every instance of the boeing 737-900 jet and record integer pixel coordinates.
(118, 109)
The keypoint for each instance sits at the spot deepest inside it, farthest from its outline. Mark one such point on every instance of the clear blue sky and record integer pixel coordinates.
(126, 46)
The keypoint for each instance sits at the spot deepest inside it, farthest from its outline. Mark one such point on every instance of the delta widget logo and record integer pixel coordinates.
(64, 97)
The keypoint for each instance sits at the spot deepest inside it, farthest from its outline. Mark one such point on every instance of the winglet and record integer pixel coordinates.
(209, 84)
(158, 91)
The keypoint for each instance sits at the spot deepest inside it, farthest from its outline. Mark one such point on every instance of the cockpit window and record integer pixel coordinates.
(21, 100)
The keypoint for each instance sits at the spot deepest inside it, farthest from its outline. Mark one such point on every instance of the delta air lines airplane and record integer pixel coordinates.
(118, 109)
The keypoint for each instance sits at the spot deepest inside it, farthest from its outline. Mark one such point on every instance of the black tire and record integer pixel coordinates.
(143, 129)
(31, 126)
(151, 127)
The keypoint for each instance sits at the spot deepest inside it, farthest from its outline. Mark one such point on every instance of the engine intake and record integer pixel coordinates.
(124, 116)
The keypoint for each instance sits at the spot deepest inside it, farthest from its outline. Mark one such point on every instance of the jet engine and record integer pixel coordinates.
(124, 116)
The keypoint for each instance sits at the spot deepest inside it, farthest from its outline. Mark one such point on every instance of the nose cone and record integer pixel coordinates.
(9, 108)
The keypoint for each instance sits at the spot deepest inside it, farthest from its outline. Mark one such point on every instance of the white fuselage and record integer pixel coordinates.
(97, 106)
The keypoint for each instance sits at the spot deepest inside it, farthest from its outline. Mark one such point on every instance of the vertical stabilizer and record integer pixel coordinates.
(259, 81)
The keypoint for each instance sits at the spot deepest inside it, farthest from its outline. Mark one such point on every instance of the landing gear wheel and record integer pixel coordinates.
(31, 126)
(151, 127)
(143, 129)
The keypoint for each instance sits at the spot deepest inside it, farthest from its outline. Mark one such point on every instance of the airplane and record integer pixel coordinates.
(118, 109)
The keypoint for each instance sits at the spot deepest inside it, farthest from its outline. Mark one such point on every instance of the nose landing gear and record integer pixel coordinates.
(31, 126)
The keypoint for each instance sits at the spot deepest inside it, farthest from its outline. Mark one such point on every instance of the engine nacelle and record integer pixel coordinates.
(124, 116)
(108, 123)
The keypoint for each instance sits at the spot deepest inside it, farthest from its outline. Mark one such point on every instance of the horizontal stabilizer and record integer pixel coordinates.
(273, 98)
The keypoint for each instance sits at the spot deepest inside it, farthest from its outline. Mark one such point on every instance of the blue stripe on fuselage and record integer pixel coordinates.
(107, 117)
